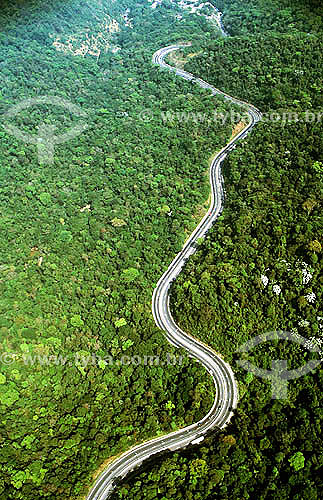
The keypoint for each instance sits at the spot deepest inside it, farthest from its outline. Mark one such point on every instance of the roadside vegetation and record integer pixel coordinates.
(84, 241)
(260, 267)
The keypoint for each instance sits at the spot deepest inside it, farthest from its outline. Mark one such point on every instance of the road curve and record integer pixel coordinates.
(226, 397)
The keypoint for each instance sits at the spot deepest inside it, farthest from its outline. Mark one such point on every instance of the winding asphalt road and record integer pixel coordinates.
(226, 398)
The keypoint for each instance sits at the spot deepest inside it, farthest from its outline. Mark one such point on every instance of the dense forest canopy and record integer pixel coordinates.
(85, 239)
(259, 269)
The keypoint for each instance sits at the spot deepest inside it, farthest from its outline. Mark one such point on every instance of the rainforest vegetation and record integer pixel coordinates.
(85, 239)
(259, 269)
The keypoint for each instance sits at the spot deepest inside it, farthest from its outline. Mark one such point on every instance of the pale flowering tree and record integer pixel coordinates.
(310, 297)
(307, 276)
(303, 323)
(264, 280)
